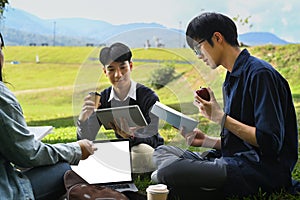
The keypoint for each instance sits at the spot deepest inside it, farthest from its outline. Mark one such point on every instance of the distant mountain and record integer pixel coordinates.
(260, 38)
(22, 28)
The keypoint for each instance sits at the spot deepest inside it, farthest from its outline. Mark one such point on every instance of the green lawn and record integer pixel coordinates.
(51, 92)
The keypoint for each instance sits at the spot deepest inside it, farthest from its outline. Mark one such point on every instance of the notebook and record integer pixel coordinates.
(110, 165)
(40, 131)
(131, 113)
(174, 117)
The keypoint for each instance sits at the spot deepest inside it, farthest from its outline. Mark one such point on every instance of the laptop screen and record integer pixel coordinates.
(111, 163)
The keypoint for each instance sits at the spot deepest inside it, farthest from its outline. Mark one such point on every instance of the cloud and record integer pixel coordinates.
(284, 21)
(287, 7)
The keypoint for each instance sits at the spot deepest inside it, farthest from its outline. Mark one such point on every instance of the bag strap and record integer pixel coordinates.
(71, 179)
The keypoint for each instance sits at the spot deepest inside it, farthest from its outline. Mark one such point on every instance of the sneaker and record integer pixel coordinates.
(154, 177)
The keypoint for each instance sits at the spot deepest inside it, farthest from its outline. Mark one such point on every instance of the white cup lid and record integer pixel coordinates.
(158, 188)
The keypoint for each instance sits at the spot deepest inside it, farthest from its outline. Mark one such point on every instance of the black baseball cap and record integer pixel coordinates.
(117, 52)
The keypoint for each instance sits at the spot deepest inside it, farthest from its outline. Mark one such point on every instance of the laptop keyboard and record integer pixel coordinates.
(119, 186)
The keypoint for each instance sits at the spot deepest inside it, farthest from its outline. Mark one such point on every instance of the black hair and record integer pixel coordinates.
(1, 46)
(117, 52)
(206, 24)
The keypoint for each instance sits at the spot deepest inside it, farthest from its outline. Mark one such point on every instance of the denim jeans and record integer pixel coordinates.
(47, 181)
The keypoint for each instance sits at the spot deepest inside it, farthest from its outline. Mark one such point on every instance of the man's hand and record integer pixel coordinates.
(194, 138)
(87, 108)
(209, 109)
(199, 139)
(87, 148)
(122, 128)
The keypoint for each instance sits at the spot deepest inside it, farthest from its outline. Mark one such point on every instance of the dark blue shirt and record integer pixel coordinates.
(257, 95)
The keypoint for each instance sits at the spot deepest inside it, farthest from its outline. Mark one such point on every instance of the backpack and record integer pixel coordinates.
(78, 189)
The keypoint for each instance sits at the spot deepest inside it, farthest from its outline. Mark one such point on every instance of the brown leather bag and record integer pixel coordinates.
(78, 189)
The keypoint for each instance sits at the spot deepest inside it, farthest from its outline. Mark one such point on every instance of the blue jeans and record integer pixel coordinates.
(47, 181)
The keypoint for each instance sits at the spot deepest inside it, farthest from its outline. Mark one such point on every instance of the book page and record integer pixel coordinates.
(40, 131)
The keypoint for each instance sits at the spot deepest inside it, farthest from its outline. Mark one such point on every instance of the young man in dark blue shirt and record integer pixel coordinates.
(117, 67)
(259, 137)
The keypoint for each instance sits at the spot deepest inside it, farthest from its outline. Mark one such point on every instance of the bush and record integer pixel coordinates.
(162, 76)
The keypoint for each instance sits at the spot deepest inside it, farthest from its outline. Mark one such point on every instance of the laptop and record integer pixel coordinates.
(110, 165)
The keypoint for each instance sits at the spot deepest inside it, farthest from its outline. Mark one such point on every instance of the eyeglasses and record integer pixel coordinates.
(1, 41)
(197, 48)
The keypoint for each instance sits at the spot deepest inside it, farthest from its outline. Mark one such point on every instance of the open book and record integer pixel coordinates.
(173, 117)
(40, 131)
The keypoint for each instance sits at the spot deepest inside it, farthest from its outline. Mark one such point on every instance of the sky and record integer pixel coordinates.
(280, 17)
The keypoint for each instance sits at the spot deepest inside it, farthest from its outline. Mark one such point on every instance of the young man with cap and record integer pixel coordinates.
(117, 66)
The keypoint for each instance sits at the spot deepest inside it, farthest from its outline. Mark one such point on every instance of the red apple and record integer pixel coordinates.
(203, 93)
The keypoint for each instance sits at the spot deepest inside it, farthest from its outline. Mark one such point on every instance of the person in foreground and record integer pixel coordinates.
(117, 66)
(258, 145)
(45, 164)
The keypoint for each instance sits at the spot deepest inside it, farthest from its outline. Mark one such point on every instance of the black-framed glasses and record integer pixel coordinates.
(197, 48)
(1, 41)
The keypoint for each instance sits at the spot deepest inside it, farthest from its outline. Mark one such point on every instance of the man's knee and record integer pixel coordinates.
(167, 150)
(165, 155)
(158, 150)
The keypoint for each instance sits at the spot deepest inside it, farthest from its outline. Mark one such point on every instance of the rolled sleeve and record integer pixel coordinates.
(89, 128)
(269, 119)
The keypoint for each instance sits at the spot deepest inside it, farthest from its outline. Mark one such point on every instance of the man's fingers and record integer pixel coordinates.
(112, 125)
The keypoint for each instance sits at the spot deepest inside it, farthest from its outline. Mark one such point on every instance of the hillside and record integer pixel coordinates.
(51, 92)
(66, 74)
(285, 58)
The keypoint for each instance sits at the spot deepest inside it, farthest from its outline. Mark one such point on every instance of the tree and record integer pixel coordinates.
(2, 6)
(162, 76)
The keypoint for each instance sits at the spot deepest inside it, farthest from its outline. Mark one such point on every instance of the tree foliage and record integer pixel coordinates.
(161, 76)
(2, 6)
(243, 21)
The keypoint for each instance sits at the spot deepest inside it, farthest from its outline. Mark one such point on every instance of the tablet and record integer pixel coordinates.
(132, 114)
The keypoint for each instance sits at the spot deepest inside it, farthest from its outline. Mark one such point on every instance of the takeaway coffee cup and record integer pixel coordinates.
(96, 97)
(157, 192)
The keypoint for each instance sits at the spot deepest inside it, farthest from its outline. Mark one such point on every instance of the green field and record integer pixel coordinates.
(51, 92)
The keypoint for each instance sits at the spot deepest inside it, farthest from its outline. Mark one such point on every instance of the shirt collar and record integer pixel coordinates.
(237, 67)
(131, 92)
